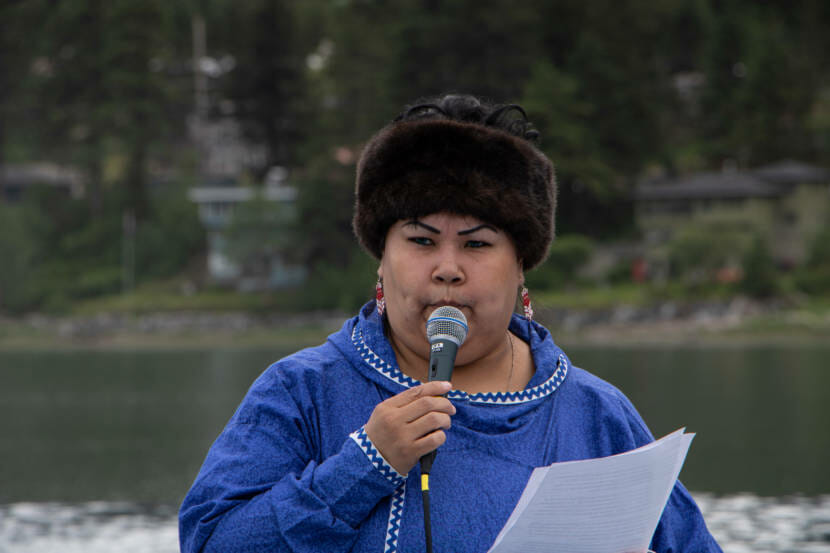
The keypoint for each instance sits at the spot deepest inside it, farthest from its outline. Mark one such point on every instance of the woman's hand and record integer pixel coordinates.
(411, 424)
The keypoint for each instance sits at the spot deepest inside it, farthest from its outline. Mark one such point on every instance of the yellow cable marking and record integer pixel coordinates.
(424, 482)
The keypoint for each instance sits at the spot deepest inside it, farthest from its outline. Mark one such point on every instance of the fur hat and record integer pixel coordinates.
(416, 168)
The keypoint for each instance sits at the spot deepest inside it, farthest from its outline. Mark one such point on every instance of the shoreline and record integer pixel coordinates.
(729, 324)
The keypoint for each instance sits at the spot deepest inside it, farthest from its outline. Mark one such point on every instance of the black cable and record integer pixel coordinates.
(426, 467)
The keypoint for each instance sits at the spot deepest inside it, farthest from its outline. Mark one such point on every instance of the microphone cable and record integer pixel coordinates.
(426, 468)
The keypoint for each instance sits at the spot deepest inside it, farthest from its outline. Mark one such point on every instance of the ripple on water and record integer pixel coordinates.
(740, 523)
(88, 527)
(755, 524)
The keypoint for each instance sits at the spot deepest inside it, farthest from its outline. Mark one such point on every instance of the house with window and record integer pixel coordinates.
(16, 178)
(785, 203)
(264, 269)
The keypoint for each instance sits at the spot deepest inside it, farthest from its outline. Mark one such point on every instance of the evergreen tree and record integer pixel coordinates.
(100, 105)
(267, 84)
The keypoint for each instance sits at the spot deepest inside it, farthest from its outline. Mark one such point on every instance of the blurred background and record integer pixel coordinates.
(176, 185)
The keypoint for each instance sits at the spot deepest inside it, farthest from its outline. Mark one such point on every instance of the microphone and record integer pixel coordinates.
(446, 331)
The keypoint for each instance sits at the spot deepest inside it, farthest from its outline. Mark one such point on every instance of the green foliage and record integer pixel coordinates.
(460, 46)
(106, 87)
(814, 281)
(344, 288)
(588, 186)
(760, 278)
(17, 251)
(819, 255)
(814, 277)
(259, 229)
(699, 250)
(341, 275)
(267, 86)
(60, 252)
(170, 237)
(567, 255)
(323, 230)
(760, 85)
(96, 95)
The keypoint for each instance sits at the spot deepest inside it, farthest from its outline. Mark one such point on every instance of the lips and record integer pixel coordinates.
(435, 305)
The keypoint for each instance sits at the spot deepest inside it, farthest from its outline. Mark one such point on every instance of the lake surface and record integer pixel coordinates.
(128, 430)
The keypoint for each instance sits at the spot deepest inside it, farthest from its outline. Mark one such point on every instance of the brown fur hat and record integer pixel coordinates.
(419, 167)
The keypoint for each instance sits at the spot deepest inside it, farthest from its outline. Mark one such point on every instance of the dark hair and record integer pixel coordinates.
(510, 118)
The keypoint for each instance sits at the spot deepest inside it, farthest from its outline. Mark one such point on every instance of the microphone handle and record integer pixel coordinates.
(442, 359)
(441, 363)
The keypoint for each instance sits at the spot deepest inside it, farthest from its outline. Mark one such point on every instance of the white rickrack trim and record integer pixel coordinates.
(393, 526)
(388, 471)
(376, 362)
(391, 372)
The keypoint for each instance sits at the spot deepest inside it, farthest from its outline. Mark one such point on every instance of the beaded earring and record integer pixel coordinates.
(380, 302)
(528, 308)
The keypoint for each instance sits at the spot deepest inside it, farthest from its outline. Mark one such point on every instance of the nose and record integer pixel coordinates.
(448, 270)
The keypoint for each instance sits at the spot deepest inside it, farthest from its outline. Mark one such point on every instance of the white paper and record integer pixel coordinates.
(606, 505)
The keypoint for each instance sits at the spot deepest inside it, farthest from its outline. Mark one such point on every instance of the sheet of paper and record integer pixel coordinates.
(606, 505)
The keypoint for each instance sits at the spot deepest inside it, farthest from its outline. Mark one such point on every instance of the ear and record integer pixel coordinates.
(380, 270)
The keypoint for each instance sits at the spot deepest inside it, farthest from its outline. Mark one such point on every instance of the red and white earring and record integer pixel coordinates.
(381, 303)
(528, 308)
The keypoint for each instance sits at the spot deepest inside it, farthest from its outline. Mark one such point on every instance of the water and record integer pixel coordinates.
(742, 523)
(99, 447)
(87, 528)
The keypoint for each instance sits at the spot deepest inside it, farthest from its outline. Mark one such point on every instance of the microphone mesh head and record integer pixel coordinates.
(447, 323)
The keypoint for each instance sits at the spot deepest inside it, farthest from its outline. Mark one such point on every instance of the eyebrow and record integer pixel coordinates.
(479, 227)
(418, 223)
(460, 232)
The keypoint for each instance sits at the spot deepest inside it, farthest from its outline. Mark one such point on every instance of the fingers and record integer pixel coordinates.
(430, 442)
(434, 388)
(411, 424)
(428, 423)
(424, 405)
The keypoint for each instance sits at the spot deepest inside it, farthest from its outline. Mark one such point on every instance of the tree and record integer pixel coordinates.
(266, 87)
(759, 278)
(588, 197)
(760, 85)
(101, 105)
(17, 250)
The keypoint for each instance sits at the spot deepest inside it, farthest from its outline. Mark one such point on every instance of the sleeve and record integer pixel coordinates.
(681, 527)
(262, 486)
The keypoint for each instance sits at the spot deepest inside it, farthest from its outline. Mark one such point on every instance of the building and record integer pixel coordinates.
(217, 206)
(15, 178)
(785, 203)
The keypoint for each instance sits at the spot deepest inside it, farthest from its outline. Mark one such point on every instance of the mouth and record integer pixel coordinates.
(443, 303)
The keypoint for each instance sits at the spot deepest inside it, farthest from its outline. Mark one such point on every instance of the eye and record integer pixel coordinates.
(421, 240)
(476, 244)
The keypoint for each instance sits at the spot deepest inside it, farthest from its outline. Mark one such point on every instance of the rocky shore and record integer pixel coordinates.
(664, 322)
(739, 319)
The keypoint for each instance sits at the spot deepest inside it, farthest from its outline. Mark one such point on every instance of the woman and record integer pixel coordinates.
(457, 204)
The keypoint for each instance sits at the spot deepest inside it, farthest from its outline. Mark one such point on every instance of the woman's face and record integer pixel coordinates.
(446, 259)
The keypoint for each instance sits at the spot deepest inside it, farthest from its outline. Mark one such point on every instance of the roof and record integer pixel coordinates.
(17, 176)
(709, 186)
(237, 194)
(789, 171)
(22, 174)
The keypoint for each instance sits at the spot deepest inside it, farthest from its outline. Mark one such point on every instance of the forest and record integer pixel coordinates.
(620, 91)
